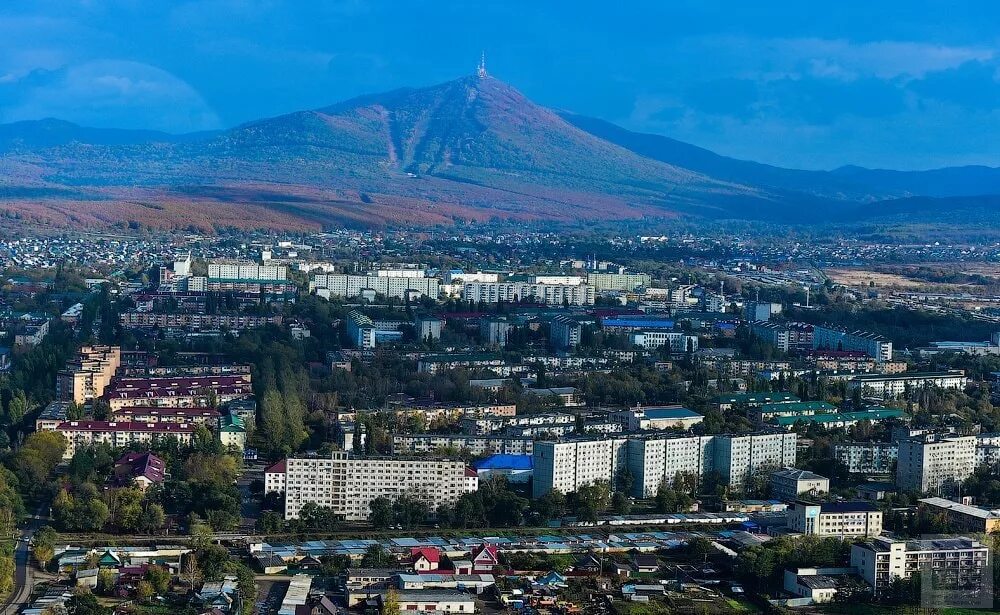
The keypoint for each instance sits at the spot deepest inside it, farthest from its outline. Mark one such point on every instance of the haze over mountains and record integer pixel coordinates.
(467, 149)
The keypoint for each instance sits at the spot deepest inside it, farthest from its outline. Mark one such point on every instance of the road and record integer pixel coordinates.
(24, 572)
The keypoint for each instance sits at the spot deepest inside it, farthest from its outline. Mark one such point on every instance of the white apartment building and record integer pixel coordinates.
(890, 386)
(618, 281)
(274, 478)
(867, 457)
(790, 483)
(657, 461)
(676, 341)
(957, 562)
(567, 466)
(348, 485)
(931, 462)
(246, 272)
(654, 460)
(739, 457)
(549, 294)
(405, 444)
(841, 519)
(875, 345)
(83, 434)
(395, 287)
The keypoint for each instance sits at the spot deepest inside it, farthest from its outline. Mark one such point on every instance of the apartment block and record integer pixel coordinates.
(932, 462)
(565, 332)
(867, 457)
(568, 465)
(83, 434)
(676, 341)
(964, 517)
(618, 281)
(655, 461)
(406, 444)
(790, 483)
(135, 319)
(391, 286)
(88, 375)
(841, 519)
(891, 386)
(739, 457)
(549, 294)
(832, 338)
(959, 563)
(186, 392)
(347, 485)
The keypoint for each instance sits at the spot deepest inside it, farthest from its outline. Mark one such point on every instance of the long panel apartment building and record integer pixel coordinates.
(832, 338)
(654, 460)
(549, 294)
(83, 434)
(347, 485)
(890, 386)
(391, 286)
(867, 457)
(183, 392)
(406, 444)
(135, 319)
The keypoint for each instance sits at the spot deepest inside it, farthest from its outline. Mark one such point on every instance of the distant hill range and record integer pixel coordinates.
(470, 149)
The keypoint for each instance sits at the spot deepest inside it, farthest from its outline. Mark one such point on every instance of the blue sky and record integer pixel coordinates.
(817, 84)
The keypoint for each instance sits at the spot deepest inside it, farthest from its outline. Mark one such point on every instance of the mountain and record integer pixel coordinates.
(473, 148)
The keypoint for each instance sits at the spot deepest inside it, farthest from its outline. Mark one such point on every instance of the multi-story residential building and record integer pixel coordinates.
(347, 485)
(766, 412)
(274, 478)
(82, 434)
(480, 426)
(867, 457)
(960, 563)
(85, 377)
(618, 281)
(549, 294)
(783, 336)
(656, 418)
(751, 400)
(755, 311)
(360, 330)
(135, 319)
(568, 465)
(930, 462)
(891, 386)
(391, 286)
(739, 457)
(964, 517)
(842, 519)
(495, 330)
(231, 431)
(676, 341)
(565, 332)
(830, 420)
(141, 414)
(406, 444)
(731, 368)
(187, 392)
(831, 338)
(788, 484)
(655, 461)
(431, 364)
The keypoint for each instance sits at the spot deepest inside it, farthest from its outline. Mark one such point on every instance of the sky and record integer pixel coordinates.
(816, 84)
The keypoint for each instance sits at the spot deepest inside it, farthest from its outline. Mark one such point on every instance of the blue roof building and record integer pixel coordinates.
(517, 468)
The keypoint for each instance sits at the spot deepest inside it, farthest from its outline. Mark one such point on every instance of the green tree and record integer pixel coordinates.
(377, 557)
(82, 602)
(381, 516)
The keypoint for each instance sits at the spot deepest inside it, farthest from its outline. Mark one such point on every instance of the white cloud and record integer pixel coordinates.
(114, 93)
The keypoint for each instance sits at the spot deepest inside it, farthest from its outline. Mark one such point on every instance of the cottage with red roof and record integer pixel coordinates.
(425, 559)
(485, 558)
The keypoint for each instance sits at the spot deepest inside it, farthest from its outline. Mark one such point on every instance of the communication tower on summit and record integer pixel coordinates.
(481, 71)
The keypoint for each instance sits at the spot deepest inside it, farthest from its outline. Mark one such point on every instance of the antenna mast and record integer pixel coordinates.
(481, 71)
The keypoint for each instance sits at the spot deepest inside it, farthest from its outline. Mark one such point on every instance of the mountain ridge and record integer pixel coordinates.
(472, 148)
